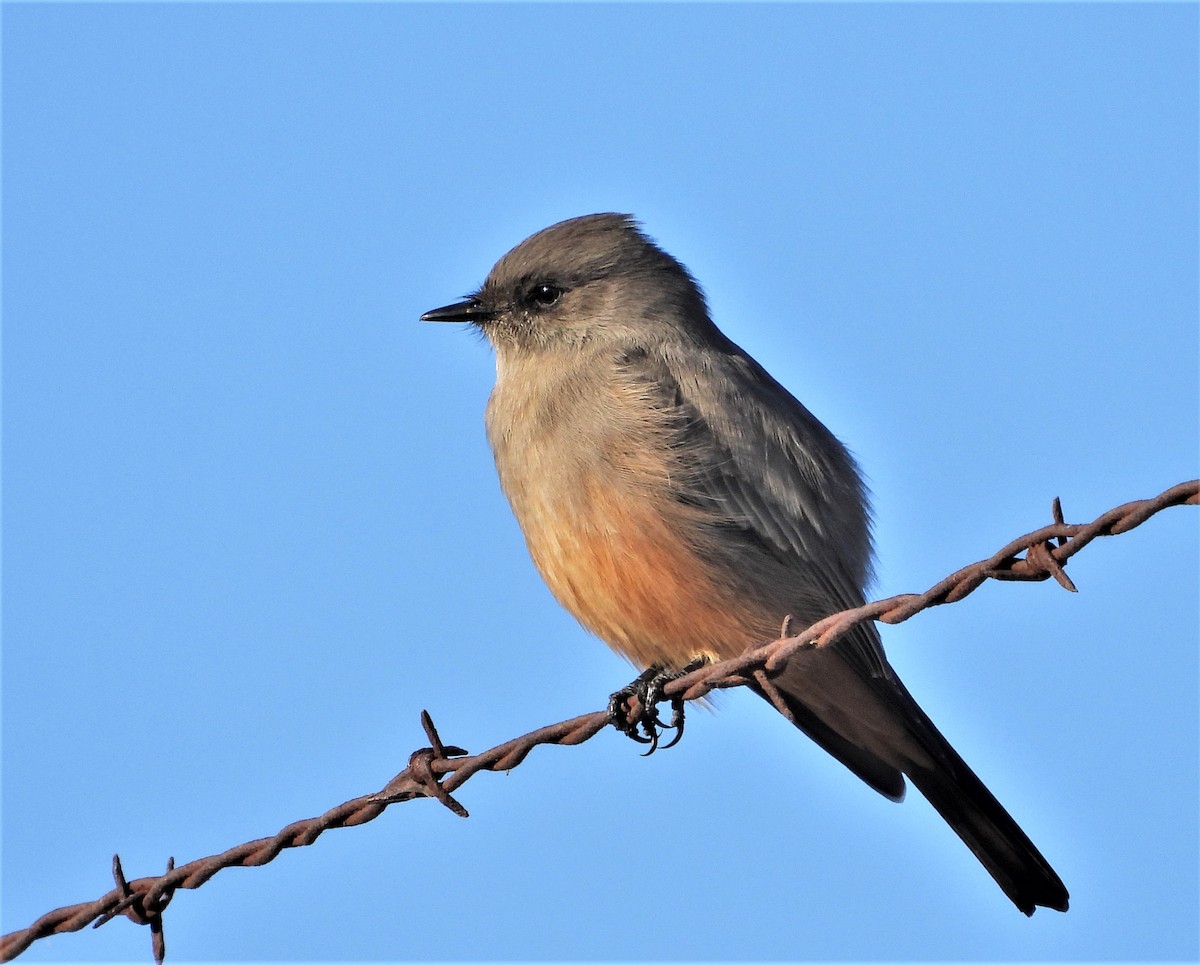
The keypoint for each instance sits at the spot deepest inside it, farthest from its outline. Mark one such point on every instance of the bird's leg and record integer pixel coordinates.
(619, 711)
(648, 690)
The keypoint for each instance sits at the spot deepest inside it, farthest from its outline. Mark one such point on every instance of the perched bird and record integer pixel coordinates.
(681, 503)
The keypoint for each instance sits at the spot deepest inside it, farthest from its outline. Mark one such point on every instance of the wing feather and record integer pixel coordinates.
(775, 478)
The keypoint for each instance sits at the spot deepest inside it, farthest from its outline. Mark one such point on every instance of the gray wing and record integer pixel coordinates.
(776, 476)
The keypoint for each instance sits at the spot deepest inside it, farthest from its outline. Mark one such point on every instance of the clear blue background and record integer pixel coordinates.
(251, 525)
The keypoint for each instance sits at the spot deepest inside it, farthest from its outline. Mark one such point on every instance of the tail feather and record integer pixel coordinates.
(966, 804)
(994, 837)
(875, 727)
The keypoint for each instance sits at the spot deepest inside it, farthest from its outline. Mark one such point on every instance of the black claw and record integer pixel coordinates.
(648, 689)
(677, 721)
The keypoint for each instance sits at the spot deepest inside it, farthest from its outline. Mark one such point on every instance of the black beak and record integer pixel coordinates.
(468, 311)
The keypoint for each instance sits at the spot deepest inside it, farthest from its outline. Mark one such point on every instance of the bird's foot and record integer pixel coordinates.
(647, 688)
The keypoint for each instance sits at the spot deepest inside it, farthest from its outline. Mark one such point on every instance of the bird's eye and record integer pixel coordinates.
(543, 296)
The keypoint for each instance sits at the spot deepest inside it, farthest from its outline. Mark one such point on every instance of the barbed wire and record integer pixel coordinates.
(437, 770)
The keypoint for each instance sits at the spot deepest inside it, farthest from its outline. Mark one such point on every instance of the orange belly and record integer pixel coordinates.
(624, 568)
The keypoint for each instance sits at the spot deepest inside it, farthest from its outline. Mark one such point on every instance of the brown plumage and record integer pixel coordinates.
(680, 503)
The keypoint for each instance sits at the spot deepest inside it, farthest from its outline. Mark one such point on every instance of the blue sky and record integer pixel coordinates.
(251, 525)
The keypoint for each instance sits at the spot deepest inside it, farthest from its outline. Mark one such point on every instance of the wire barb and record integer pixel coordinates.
(137, 908)
(420, 765)
(437, 770)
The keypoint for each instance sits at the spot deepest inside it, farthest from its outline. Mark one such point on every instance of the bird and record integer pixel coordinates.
(682, 504)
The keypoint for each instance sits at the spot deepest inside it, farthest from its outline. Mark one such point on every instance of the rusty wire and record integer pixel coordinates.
(437, 770)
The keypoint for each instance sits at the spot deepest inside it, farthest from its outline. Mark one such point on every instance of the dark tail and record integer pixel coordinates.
(990, 832)
(888, 735)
